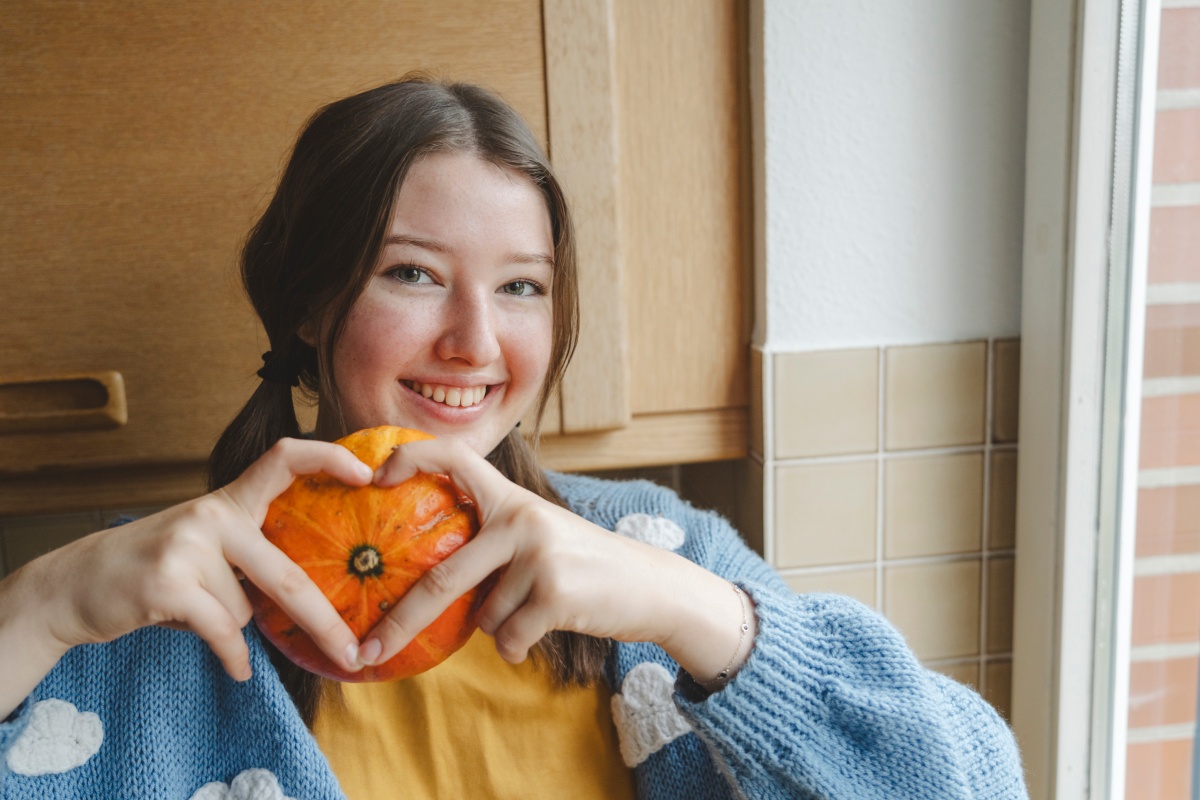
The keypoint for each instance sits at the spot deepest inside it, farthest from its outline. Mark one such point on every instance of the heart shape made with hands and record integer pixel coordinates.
(364, 547)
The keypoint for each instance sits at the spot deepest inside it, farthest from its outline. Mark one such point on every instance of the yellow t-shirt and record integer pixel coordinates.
(475, 726)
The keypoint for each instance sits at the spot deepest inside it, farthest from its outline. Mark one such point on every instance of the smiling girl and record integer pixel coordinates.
(416, 268)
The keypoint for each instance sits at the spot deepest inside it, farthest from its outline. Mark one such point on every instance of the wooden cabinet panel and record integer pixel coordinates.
(139, 140)
(685, 222)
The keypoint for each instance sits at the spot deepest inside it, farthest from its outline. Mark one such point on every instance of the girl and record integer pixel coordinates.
(416, 268)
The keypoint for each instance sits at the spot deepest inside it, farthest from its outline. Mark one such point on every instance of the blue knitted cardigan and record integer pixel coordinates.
(831, 704)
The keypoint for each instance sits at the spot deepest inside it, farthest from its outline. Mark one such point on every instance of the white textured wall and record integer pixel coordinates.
(893, 138)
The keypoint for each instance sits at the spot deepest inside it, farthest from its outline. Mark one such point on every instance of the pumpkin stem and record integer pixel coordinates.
(365, 561)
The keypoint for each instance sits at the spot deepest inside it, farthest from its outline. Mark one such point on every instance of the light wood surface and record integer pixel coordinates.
(684, 223)
(138, 141)
(582, 113)
(652, 439)
(688, 437)
(100, 489)
(91, 401)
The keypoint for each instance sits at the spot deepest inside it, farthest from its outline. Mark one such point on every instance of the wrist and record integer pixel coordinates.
(28, 647)
(711, 630)
(28, 610)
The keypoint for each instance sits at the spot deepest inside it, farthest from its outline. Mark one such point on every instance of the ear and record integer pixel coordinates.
(307, 333)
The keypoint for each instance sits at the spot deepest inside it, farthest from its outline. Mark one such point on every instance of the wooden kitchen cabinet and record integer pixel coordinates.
(140, 139)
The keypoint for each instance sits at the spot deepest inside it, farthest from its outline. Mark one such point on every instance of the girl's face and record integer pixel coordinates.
(452, 334)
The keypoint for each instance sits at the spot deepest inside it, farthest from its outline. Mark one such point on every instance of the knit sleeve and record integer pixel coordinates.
(833, 703)
(10, 730)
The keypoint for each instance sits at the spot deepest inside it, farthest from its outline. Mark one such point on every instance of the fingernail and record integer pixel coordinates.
(369, 652)
(365, 470)
(352, 655)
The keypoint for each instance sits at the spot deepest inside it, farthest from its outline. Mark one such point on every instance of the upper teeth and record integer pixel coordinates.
(450, 395)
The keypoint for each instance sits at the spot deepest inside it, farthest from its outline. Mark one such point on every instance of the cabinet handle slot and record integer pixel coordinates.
(91, 401)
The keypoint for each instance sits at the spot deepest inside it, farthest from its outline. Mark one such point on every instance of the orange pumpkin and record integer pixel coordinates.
(365, 547)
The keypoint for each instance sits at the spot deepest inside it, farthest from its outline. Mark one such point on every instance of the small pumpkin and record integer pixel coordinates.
(365, 547)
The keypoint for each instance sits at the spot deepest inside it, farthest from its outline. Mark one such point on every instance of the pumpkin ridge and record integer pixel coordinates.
(403, 515)
(436, 528)
(309, 528)
(418, 529)
(338, 586)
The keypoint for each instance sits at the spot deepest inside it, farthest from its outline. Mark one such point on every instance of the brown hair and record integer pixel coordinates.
(315, 247)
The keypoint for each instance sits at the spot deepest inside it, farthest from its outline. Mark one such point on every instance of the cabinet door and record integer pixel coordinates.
(140, 139)
(653, 106)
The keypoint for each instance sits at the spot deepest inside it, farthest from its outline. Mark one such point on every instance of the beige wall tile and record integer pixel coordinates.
(998, 690)
(826, 403)
(963, 672)
(935, 395)
(757, 410)
(1002, 501)
(935, 606)
(1006, 384)
(856, 583)
(933, 505)
(1000, 605)
(825, 513)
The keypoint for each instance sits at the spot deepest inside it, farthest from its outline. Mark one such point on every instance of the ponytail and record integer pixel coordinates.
(267, 417)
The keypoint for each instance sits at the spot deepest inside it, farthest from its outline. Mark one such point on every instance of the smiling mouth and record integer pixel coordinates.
(454, 396)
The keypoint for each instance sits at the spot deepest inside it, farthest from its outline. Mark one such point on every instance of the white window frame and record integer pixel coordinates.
(1086, 213)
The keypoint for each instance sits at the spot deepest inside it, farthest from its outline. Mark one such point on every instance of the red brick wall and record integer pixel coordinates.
(1165, 668)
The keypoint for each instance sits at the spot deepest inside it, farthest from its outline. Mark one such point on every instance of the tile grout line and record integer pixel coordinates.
(866, 455)
(1167, 477)
(1176, 99)
(1161, 733)
(984, 529)
(1163, 652)
(1171, 564)
(880, 488)
(769, 461)
(1172, 386)
(1168, 195)
(910, 561)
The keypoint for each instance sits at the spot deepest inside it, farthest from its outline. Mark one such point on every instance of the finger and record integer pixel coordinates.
(521, 631)
(447, 581)
(219, 580)
(266, 478)
(288, 585)
(510, 593)
(469, 471)
(210, 620)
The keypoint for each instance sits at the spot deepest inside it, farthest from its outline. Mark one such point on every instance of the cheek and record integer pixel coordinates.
(530, 354)
(372, 341)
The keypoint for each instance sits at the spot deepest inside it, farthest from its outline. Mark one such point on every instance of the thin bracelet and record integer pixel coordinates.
(723, 675)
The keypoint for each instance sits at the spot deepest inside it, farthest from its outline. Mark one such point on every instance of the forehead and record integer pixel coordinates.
(460, 194)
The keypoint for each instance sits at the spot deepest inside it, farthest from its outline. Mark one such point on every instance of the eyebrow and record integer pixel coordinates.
(438, 247)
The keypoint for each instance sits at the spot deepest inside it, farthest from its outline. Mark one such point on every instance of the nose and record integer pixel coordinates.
(469, 333)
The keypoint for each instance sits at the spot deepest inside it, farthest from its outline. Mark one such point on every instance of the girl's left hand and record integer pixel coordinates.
(557, 571)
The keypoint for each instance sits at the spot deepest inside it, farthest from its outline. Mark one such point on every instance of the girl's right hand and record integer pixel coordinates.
(180, 568)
